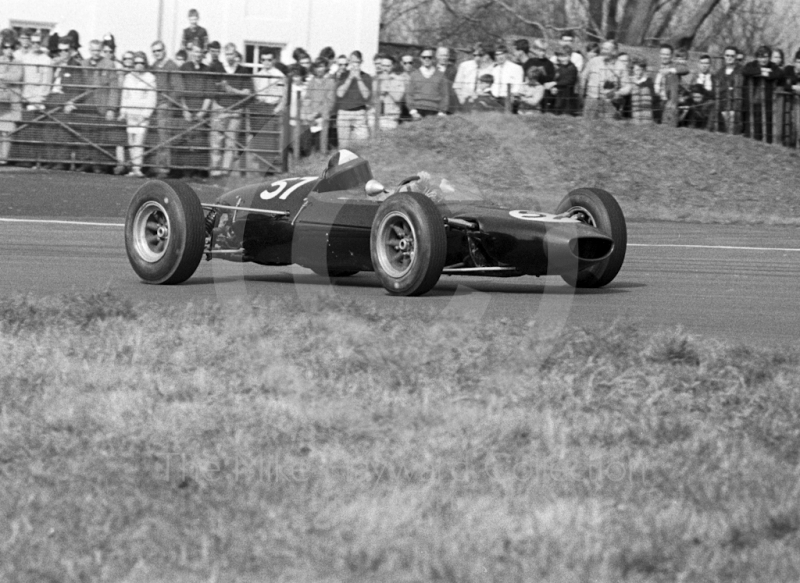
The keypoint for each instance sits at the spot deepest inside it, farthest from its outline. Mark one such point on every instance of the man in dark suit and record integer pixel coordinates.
(66, 93)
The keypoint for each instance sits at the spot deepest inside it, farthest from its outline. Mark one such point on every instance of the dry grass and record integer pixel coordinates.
(358, 442)
(658, 173)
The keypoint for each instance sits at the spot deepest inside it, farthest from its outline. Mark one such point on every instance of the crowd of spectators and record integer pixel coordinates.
(200, 95)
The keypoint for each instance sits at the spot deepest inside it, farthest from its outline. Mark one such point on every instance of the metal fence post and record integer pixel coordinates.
(376, 103)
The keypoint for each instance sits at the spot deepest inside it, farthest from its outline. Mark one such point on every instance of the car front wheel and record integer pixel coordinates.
(408, 244)
(165, 232)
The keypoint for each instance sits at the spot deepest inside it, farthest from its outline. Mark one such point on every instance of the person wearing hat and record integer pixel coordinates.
(564, 84)
(194, 34)
(470, 71)
(10, 94)
(37, 77)
(508, 76)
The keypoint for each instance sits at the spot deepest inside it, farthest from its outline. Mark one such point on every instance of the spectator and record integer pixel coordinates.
(169, 85)
(305, 62)
(792, 74)
(449, 71)
(697, 112)
(566, 42)
(232, 95)
(136, 107)
(67, 91)
(320, 99)
(100, 107)
(428, 92)
(522, 52)
(180, 58)
(270, 85)
(482, 99)
(75, 45)
(592, 50)
(195, 102)
(703, 75)
(37, 75)
(297, 74)
(353, 93)
(547, 73)
(212, 58)
(777, 58)
(623, 103)
(564, 83)
(531, 93)
(508, 76)
(740, 57)
(760, 79)
(728, 81)
(340, 69)
(602, 81)
(10, 96)
(641, 93)
(194, 35)
(407, 65)
(470, 71)
(391, 90)
(668, 87)
(25, 45)
(328, 54)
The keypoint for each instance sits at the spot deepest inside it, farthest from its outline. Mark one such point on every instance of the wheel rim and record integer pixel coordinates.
(396, 244)
(583, 215)
(151, 230)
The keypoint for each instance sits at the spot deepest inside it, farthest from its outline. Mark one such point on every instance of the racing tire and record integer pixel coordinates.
(408, 244)
(165, 232)
(597, 208)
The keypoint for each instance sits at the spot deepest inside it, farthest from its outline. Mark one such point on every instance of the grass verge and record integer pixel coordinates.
(657, 173)
(352, 442)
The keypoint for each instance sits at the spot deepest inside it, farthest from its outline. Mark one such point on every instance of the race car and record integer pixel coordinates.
(344, 221)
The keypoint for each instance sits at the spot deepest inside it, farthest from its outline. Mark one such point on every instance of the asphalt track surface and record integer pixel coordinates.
(61, 233)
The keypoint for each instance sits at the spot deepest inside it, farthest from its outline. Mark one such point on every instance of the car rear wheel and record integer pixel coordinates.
(597, 208)
(408, 244)
(165, 232)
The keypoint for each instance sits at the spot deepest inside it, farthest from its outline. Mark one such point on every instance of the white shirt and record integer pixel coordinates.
(466, 81)
(509, 73)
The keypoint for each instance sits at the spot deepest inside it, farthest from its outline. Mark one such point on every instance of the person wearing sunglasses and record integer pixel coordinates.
(728, 81)
(136, 107)
(470, 71)
(428, 90)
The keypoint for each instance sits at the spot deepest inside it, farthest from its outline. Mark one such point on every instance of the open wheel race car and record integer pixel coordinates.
(344, 221)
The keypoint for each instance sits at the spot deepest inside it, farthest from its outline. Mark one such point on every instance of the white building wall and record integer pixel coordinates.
(345, 25)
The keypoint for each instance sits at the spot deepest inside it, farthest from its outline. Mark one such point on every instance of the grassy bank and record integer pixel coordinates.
(335, 442)
(658, 173)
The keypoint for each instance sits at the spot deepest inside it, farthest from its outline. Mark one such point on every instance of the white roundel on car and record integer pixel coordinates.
(542, 217)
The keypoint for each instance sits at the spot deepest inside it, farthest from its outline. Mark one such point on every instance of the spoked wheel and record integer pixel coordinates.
(165, 232)
(408, 244)
(599, 209)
